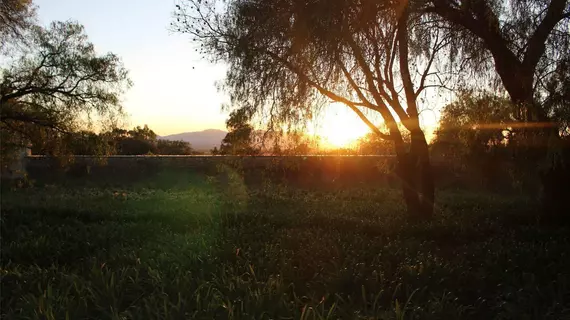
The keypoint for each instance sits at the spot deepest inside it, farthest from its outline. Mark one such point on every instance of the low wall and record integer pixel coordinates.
(300, 170)
(14, 166)
(291, 169)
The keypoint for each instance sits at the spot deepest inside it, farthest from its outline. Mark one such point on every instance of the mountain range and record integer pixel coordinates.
(200, 140)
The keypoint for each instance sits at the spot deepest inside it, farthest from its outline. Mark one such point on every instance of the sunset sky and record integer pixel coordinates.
(174, 89)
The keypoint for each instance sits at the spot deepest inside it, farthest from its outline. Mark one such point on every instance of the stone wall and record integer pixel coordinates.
(15, 166)
(291, 169)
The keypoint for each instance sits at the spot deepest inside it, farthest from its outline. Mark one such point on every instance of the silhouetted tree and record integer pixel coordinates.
(288, 57)
(298, 144)
(168, 147)
(528, 42)
(478, 121)
(477, 135)
(240, 139)
(371, 144)
(88, 143)
(55, 81)
(15, 17)
(138, 141)
(142, 133)
(292, 143)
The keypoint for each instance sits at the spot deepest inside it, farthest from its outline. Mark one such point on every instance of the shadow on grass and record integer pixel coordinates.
(205, 249)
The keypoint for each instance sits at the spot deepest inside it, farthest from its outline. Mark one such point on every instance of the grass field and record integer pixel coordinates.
(180, 247)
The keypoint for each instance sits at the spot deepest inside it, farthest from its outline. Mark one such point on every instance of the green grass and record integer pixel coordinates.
(179, 246)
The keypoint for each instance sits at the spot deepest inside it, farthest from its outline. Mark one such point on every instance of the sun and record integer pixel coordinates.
(343, 135)
(340, 128)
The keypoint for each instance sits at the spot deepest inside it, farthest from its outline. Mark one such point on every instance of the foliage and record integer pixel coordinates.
(241, 138)
(185, 250)
(138, 141)
(56, 82)
(142, 140)
(168, 147)
(556, 97)
(284, 62)
(478, 136)
(293, 143)
(474, 125)
(371, 144)
(15, 17)
(527, 41)
(298, 144)
(85, 143)
(288, 58)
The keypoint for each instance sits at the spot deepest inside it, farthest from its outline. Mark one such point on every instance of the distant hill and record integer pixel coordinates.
(200, 140)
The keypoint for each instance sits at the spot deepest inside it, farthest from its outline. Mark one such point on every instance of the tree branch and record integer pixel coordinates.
(428, 67)
(402, 35)
(333, 96)
(355, 87)
(370, 82)
(537, 42)
(368, 122)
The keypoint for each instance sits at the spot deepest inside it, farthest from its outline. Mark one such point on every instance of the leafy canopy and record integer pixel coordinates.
(526, 42)
(55, 81)
(287, 58)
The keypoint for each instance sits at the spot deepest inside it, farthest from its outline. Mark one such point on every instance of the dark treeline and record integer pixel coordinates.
(137, 141)
(480, 137)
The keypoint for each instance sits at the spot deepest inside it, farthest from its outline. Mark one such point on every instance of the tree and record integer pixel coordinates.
(287, 58)
(371, 144)
(142, 133)
(529, 43)
(240, 139)
(56, 81)
(168, 147)
(476, 122)
(86, 142)
(297, 143)
(477, 135)
(292, 142)
(15, 17)
(138, 141)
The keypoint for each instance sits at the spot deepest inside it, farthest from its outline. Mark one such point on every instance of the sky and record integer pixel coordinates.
(174, 89)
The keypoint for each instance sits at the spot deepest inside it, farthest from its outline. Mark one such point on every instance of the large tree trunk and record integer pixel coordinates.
(555, 195)
(416, 175)
(544, 149)
(414, 166)
(554, 173)
(420, 150)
